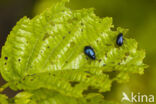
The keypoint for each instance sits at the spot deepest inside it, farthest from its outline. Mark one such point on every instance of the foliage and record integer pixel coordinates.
(3, 99)
(44, 57)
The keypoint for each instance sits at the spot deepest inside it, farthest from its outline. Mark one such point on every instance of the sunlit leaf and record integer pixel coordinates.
(48, 52)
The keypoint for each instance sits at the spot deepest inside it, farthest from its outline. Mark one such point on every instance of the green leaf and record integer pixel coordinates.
(68, 82)
(48, 52)
(23, 98)
(3, 99)
(44, 96)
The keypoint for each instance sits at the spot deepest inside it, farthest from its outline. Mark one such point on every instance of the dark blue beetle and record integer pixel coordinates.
(119, 40)
(89, 52)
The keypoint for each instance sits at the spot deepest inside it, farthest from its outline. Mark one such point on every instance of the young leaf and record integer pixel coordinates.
(48, 52)
(3, 99)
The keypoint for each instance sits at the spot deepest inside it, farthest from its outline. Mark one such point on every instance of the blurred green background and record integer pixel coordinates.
(139, 16)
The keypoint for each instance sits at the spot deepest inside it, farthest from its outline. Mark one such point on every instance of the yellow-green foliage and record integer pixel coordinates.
(45, 57)
(3, 99)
